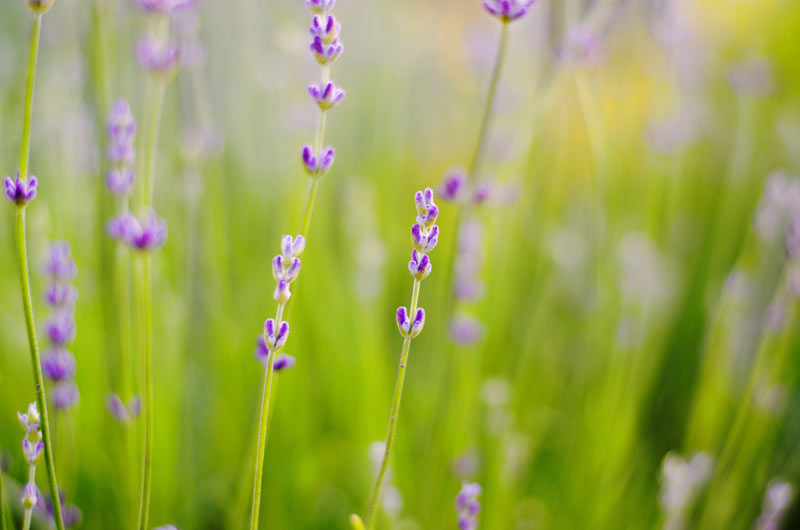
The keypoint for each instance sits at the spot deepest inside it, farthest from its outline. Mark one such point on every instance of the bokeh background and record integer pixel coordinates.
(639, 300)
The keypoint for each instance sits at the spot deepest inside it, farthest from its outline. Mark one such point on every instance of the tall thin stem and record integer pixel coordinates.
(152, 141)
(313, 183)
(3, 512)
(398, 394)
(477, 154)
(262, 431)
(24, 276)
(145, 308)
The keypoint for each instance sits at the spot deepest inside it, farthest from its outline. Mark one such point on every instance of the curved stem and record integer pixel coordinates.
(24, 276)
(144, 290)
(487, 111)
(398, 394)
(262, 431)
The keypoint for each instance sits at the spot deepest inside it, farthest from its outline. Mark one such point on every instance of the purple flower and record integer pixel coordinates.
(65, 395)
(163, 6)
(135, 405)
(61, 296)
(320, 6)
(409, 329)
(465, 330)
(292, 247)
(326, 52)
(282, 292)
(287, 270)
(32, 449)
(482, 193)
(59, 264)
(117, 408)
(30, 496)
(262, 350)
(283, 362)
(420, 265)
(453, 185)
(149, 235)
(507, 10)
(121, 129)
(327, 96)
(467, 506)
(120, 181)
(19, 191)
(30, 420)
(58, 364)
(275, 339)
(61, 329)
(326, 29)
(157, 57)
(318, 167)
(424, 241)
(426, 208)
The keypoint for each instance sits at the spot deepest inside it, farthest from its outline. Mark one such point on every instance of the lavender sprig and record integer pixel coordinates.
(410, 321)
(467, 506)
(285, 270)
(32, 449)
(21, 191)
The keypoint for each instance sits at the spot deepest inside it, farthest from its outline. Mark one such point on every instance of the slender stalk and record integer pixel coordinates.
(26, 523)
(487, 111)
(313, 183)
(3, 525)
(22, 255)
(264, 425)
(152, 141)
(398, 394)
(145, 308)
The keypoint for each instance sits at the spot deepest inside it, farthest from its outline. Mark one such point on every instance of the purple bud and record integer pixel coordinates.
(262, 349)
(58, 364)
(71, 514)
(318, 167)
(19, 191)
(30, 419)
(59, 264)
(283, 362)
(320, 6)
(121, 227)
(61, 329)
(419, 322)
(30, 496)
(508, 10)
(310, 161)
(482, 193)
(467, 506)
(326, 95)
(424, 240)
(65, 395)
(61, 296)
(135, 406)
(148, 236)
(326, 29)
(402, 321)
(277, 268)
(269, 327)
(466, 330)
(120, 181)
(283, 334)
(292, 271)
(121, 125)
(427, 210)
(117, 408)
(326, 160)
(157, 57)
(32, 449)
(420, 265)
(326, 53)
(453, 185)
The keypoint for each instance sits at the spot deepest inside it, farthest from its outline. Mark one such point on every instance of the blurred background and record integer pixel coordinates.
(641, 299)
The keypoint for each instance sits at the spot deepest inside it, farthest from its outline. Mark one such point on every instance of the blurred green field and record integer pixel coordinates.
(634, 305)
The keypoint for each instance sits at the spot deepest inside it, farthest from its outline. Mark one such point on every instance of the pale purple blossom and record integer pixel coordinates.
(466, 330)
(420, 265)
(58, 364)
(146, 236)
(453, 186)
(325, 28)
(284, 362)
(326, 95)
(61, 296)
(120, 180)
(467, 506)
(275, 336)
(163, 6)
(408, 328)
(427, 211)
(30, 419)
(320, 6)
(157, 57)
(19, 191)
(318, 166)
(117, 408)
(777, 501)
(65, 395)
(326, 52)
(59, 264)
(61, 329)
(32, 449)
(507, 10)
(30, 496)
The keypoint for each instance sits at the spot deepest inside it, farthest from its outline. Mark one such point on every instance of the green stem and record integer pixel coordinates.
(313, 183)
(22, 255)
(3, 512)
(152, 141)
(26, 524)
(144, 289)
(398, 394)
(264, 424)
(487, 111)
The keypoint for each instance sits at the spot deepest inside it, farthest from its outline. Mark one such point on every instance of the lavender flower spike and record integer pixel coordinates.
(508, 10)
(326, 95)
(19, 191)
(59, 264)
(468, 507)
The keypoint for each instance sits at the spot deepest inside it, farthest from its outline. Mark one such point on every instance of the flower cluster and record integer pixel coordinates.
(424, 237)
(121, 129)
(159, 57)
(508, 10)
(285, 270)
(777, 501)
(19, 191)
(681, 482)
(146, 235)
(58, 364)
(467, 506)
(326, 48)
(32, 449)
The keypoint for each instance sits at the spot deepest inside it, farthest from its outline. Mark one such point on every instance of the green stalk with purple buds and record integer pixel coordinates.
(424, 236)
(21, 191)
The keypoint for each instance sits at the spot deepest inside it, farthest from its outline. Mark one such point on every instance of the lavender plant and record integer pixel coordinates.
(21, 191)
(317, 160)
(32, 448)
(58, 362)
(467, 506)
(410, 321)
